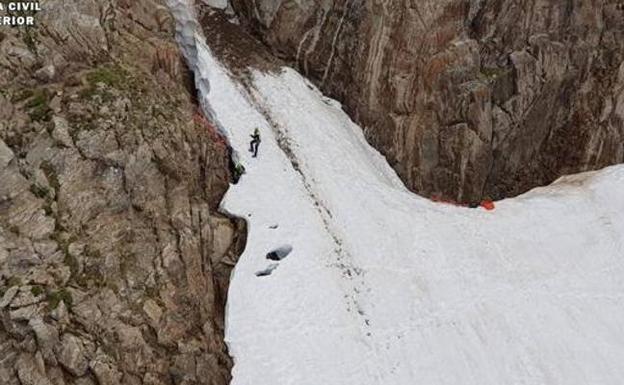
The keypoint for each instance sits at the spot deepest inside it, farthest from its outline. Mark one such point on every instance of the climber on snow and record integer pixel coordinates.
(255, 142)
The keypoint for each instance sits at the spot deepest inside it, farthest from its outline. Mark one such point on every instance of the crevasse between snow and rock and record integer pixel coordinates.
(384, 287)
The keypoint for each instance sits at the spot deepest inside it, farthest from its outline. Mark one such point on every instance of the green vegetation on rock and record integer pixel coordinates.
(38, 104)
(37, 290)
(110, 75)
(14, 281)
(39, 191)
(55, 298)
(106, 76)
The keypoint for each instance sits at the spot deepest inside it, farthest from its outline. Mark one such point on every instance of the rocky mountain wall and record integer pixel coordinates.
(467, 99)
(114, 262)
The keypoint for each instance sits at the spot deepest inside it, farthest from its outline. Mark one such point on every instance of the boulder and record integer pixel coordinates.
(6, 155)
(71, 355)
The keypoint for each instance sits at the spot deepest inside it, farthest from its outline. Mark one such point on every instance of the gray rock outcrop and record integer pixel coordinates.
(467, 99)
(114, 262)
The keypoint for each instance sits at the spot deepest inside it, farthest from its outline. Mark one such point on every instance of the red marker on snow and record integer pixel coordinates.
(488, 205)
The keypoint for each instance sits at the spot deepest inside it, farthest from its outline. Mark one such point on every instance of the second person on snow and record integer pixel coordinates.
(255, 142)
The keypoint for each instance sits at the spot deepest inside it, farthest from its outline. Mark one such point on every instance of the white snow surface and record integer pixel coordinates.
(385, 287)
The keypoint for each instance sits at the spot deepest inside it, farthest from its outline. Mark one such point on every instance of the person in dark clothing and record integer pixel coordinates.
(255, 142)
(238, 172)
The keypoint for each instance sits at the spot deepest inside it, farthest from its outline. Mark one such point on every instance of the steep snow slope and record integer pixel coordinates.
(384, 287)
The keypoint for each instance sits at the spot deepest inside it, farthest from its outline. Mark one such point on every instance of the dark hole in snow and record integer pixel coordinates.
(279, 253)
(267, 271)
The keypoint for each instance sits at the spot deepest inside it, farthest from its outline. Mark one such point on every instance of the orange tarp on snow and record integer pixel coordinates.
(486, 204)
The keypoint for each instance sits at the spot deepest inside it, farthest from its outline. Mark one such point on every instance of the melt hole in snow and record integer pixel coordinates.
(267, 271)
(279, 253)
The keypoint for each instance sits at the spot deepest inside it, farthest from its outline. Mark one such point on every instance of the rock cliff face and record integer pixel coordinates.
(467, 99)
(114, 264)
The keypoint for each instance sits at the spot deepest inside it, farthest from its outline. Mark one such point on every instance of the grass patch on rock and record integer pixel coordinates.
(55, 298)
(111, 75)
(38, 105)
(39, 191)
(37, 290)
(106, 76)
(14, 281)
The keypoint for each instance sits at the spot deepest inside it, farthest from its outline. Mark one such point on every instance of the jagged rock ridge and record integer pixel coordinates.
(114, 263)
